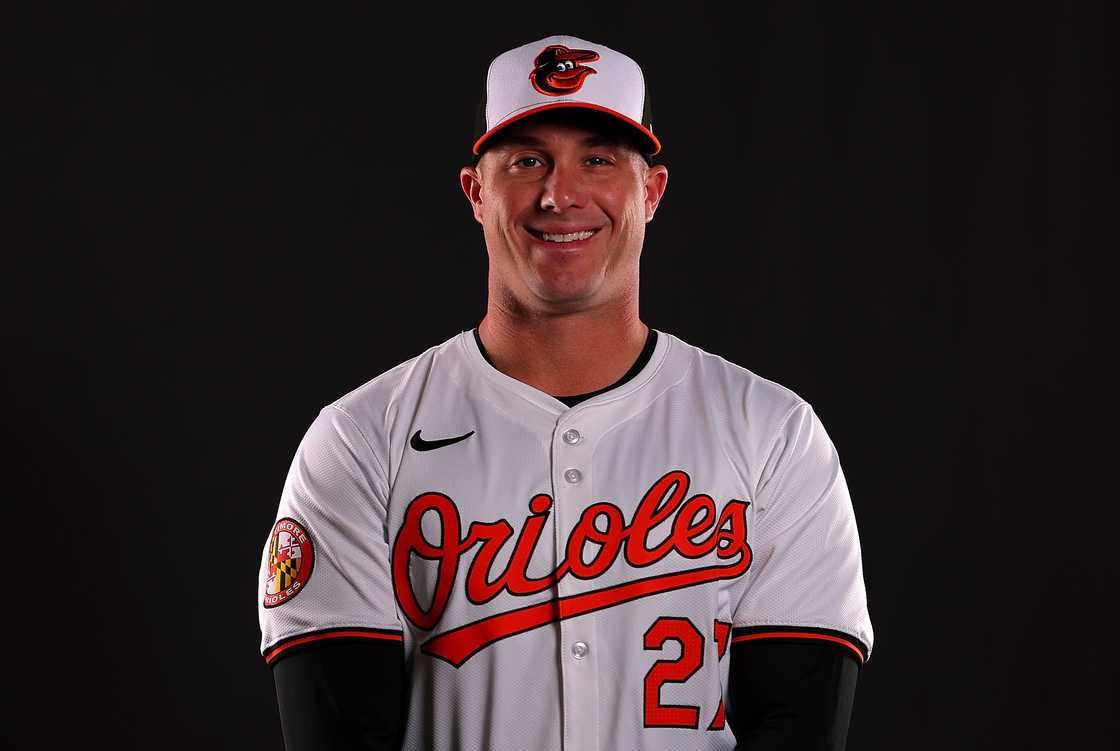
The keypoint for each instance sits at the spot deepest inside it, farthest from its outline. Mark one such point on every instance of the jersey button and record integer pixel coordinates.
(580, 650)
(573, 475)
(572, 436)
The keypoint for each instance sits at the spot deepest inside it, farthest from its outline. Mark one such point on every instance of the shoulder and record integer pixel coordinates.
(385, 386)
(372, 406)
(734, 388)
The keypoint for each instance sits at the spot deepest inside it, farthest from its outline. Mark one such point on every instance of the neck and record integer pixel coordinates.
(564, 354)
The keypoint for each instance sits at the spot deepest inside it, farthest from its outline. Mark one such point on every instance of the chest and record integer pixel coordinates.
(571, 513)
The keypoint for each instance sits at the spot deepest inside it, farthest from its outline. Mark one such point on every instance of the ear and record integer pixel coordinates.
(471, 182)
(657, 177)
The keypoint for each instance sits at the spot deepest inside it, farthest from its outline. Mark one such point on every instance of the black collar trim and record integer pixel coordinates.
(571, 401)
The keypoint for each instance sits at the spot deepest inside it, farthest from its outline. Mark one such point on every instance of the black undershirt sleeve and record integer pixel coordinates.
(349, 697)
(342, 697)
(790, 695)
(782, 695)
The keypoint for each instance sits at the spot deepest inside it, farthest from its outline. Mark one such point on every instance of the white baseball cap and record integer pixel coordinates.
(564, 72)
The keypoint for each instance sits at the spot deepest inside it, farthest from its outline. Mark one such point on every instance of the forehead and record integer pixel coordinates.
(565, 127)
(546, 133)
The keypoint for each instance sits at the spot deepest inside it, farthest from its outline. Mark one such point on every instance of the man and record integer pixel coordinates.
(565, 529)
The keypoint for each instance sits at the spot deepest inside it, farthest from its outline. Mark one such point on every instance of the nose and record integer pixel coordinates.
(562, 189)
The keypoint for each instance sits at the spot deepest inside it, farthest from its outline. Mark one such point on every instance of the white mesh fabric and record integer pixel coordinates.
(736, 437)
(807, 568)
(335, 489)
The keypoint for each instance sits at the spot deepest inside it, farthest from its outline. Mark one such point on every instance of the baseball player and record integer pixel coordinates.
(564, 529)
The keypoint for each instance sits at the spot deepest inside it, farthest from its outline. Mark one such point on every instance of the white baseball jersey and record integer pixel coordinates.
(565, 578)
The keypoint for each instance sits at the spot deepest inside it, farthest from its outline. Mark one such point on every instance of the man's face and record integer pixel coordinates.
(563, 210)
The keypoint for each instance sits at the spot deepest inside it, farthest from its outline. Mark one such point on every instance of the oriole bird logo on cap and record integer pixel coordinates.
(559, 70)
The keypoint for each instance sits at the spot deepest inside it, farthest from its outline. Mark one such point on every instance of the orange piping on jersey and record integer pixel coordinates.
(333, 635)
(798, 635)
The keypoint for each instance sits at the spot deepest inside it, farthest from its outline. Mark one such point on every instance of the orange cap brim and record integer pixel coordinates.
(650, 138)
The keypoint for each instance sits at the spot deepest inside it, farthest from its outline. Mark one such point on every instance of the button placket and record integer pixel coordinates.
(571, 438)
(572, 478)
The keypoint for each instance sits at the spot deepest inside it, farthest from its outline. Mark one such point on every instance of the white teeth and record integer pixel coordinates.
(567, 238)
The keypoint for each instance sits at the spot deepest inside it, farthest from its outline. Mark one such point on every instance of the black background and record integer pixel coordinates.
(222, 223)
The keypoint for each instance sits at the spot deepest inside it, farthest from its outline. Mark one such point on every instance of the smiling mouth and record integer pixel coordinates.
(563, 237)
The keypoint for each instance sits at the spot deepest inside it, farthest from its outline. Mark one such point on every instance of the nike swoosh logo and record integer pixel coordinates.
(420, 444)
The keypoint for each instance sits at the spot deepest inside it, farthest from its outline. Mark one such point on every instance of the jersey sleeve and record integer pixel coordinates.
(325, 566)
(806, 577)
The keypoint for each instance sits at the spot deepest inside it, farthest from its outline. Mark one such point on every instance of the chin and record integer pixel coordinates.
(566, 289)
(566, 297)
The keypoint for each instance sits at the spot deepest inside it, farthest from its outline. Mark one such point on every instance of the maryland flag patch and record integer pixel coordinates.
(291, 557)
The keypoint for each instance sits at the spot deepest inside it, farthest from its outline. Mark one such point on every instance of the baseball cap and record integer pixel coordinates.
(564, 72)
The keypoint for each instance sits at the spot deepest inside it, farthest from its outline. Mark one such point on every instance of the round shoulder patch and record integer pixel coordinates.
(291, 556)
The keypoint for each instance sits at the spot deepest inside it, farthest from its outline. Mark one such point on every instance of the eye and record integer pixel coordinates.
(526, 161)
(598, 161)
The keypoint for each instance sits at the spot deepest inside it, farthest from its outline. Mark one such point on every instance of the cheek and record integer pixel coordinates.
(494, 218)
(501, 211)
(627, 204)
(632, 214)
(505, 246)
